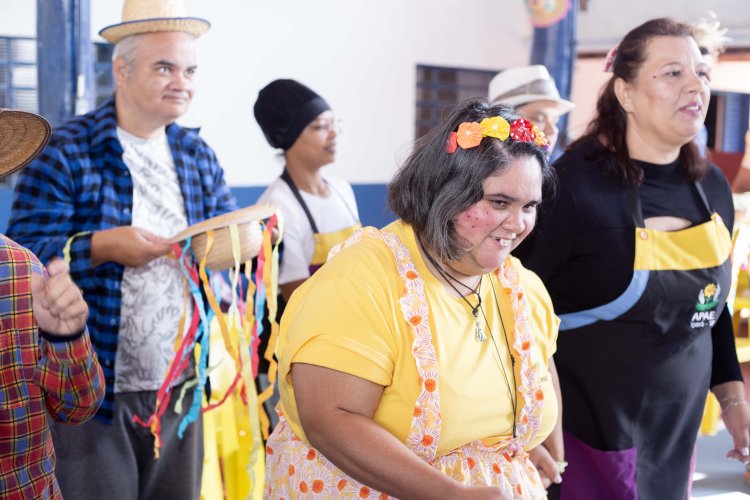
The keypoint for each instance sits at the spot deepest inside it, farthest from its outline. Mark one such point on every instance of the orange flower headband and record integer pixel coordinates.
(470, 134)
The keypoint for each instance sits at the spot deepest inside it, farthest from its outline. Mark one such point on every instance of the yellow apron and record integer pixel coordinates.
(324, 242)
(634, 373)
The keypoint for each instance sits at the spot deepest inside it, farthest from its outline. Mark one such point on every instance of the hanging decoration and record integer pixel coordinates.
(545, 13)
(203, 250)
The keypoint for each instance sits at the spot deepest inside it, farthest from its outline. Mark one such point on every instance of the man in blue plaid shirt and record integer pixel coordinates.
(108, 191)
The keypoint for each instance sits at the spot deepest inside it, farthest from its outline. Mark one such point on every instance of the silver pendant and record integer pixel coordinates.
(479, 336)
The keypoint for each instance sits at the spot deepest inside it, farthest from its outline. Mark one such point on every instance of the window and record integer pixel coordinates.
(440, 89)
(18, 78)
(727, 120)
(104, 82)
(18, 73)
(735, 115)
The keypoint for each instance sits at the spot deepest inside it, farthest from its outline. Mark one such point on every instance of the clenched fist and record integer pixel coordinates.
(58, 304)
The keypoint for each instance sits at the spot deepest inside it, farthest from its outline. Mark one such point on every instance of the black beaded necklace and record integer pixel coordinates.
(480, 336)
(514, 400)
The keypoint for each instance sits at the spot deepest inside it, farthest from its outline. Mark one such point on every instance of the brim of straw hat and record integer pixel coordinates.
(245, 215)
(561, 105)
(221, 254)
(193, 25)
(23, 136)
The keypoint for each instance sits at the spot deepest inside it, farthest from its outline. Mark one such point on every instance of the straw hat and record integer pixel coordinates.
(22, 137)
(525, 84)
(220, 256)
(149, 16)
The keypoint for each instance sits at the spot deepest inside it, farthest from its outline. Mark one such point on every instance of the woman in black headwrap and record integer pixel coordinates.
(319, 211)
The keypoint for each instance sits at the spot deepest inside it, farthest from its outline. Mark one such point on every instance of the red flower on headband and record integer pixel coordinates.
(450, 143)
(521, 130)
(469, 135)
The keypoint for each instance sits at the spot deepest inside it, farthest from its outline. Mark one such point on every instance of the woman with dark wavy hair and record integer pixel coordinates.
(634, 251)
(416, 362)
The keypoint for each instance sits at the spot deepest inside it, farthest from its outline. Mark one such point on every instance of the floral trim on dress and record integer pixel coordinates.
(296, 470)
(529, 390)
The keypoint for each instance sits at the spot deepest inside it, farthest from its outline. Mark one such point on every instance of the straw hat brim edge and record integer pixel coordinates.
(562, 105)
(38, 143)
(193, 25)
(244, 215)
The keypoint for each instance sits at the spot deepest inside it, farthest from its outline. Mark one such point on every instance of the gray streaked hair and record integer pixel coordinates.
(127, 49)
(432, 187)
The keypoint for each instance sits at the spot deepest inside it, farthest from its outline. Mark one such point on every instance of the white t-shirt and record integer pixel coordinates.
(152, 295)
(336, 212)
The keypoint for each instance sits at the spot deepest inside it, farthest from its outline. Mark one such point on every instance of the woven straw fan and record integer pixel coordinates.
(250, 235)
(22, 137)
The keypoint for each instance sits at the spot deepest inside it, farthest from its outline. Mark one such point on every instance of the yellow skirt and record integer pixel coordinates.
(233, 458)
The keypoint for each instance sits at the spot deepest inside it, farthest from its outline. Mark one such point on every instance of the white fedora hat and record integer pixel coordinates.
(150, 16)
(525, 84)
(22, 137)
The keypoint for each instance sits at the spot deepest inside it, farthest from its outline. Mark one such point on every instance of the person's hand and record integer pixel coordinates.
(548, 468)
(483, 493)
(58, 305)
(127, 245)
(736, 416)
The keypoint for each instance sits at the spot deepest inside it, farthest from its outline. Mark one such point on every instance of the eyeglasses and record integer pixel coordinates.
(328, 126)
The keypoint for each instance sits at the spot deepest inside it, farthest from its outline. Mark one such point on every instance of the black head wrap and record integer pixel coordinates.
(284, 108)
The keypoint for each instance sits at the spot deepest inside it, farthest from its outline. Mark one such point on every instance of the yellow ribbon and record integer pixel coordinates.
(66, 248)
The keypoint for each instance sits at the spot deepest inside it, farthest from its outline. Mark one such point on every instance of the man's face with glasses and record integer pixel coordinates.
(543, 114)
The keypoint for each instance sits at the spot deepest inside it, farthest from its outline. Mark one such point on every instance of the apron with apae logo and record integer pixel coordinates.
(635, 372)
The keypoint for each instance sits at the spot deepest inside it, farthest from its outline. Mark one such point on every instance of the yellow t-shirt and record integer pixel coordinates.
(347, 317)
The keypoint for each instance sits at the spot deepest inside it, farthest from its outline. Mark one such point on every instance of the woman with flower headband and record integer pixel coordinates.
(634, 250)
(416, 362)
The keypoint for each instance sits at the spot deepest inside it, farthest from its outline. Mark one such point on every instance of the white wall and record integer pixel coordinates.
(18, 17)
(360, 56)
